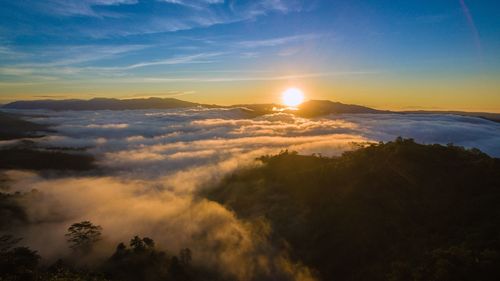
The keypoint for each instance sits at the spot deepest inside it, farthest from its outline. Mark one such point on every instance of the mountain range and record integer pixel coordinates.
(102, 104)
(312, 108)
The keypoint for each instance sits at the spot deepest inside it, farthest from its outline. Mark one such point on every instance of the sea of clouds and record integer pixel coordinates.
(153, 164)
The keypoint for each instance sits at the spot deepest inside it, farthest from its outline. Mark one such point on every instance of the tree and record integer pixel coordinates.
(148, 242)
(137, 244)
(82, 236)
(17, 263)
(7, 242)
(175, 268)
(185, 256)
(121, 251)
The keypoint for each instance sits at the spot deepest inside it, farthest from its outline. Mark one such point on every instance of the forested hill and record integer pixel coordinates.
(14, 127)
(393, 211)
(102, 104)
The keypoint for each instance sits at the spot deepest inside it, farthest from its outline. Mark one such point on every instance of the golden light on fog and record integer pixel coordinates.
(292, 97)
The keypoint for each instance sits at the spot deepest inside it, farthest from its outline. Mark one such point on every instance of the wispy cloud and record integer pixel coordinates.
(64, 60)
(108, 20)
(73, 54)
(263, 7)
(271, 42)
(196, 4)
(472, 25)
(251, 78)
(80, 7)
(50, 96)
(6, 51)
(15, 71)
(166, 94)
(196, 58)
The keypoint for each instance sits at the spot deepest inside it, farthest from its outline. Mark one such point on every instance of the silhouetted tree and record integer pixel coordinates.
(175, 268)
(148, 242)
(137, 244)
(121, 251)
(121, 247)
(7, 242)
(17, 263)
(185, 257)
(82, 236)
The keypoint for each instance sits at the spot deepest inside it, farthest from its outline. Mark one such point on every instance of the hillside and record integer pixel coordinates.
(394, 211)
(308, 109)
(13, 127)
(312, 108)
(316, 108)
(495, 117)
(26, 156)
(102, 104)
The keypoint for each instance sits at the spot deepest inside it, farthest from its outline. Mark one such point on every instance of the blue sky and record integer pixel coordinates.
(363, 51)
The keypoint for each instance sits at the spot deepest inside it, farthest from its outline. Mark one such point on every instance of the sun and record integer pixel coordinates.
(292, 97)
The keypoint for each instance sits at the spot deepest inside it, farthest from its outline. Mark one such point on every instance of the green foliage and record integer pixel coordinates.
(397, 210)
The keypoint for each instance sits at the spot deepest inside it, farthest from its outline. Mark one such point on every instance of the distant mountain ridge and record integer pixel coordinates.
(102, 104)
(312, 108)
(309, 109)
(495, 117)
(316, 108)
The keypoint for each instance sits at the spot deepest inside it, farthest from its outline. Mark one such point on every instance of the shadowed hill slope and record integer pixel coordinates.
(394, 211)
(25, 155)
(13, 127)
(28, 157)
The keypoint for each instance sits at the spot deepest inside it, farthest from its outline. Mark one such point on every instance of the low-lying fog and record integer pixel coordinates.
(153, 163)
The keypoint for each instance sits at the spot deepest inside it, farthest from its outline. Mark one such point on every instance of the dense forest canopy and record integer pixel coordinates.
(393, 211)
(388, 211)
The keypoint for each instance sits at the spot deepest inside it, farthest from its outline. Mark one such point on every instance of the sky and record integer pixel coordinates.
(399, 54)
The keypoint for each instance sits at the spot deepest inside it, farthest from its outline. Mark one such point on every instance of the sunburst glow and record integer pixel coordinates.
(292, 97)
